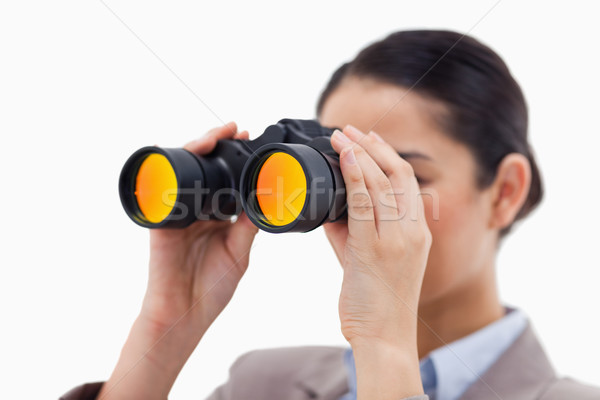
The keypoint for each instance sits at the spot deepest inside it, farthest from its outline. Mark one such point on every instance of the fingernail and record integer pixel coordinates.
(341, 137)
(376, 136)
(348, 156)
(354, 130)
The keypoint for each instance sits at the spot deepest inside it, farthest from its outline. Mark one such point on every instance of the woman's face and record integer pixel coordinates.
(457, 211)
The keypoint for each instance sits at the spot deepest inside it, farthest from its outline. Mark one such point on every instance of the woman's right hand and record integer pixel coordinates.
(193, 275)
(194, 271)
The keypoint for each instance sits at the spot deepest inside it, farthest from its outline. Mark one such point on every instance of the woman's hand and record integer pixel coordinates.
(383, 250)
(193, 275)
(194, 271)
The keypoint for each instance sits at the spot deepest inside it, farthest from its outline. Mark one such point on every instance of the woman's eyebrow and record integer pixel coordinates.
(414, 154)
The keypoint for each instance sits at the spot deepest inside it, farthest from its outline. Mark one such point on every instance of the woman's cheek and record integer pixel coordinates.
(451, 218)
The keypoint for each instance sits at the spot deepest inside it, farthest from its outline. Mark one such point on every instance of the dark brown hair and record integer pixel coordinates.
(486, 107)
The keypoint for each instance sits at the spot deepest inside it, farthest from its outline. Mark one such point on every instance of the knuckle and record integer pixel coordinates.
(359, 150)
(428, 237)
(370, 138)
(406, 167)
(378, 140)
(356, 178)
(402, 167)
(422, 237)
(360, 204)
(399, 247)
(383, 183)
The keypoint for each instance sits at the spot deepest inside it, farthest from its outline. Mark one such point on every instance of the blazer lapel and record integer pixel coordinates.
(326, 381)
(522, 372)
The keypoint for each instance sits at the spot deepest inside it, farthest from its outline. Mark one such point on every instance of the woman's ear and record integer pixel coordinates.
(510, 189)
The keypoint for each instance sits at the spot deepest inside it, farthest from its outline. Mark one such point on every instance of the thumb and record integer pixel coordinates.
(240, 237)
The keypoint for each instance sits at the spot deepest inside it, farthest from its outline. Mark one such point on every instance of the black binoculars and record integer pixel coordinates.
(287, 179)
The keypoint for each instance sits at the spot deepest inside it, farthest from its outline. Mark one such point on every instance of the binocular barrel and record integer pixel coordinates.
(287, 179)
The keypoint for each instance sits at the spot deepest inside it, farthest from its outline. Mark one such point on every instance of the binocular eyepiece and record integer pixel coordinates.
(287, 179)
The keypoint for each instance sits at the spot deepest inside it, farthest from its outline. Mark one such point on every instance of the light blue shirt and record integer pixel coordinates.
(448, 371)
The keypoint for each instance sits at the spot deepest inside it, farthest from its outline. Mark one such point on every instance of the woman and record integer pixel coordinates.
(430, 197)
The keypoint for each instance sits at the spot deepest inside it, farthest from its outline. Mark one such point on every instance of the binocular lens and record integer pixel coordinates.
(280, 188)
(290, 187)
(155, 187)
(160, 187)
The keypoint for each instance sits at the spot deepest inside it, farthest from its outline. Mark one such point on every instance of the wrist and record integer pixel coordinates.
(166, 346)
(385, 370)
(150, 361)
(378, 349)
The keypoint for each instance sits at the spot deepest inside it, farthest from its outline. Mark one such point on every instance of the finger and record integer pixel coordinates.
(377, 183)
(399, 171)
(361, 220)
(379, 187)
(226, 131)
(340, 142)
(208, 142)
(243, 135)
(240, 237)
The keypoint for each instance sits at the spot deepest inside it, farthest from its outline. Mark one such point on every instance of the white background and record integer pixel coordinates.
(79, 93)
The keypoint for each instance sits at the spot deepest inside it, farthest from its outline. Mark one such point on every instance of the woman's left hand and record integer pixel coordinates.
(383, 250)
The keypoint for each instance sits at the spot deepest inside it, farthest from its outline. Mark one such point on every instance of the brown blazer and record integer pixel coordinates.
(523, 372)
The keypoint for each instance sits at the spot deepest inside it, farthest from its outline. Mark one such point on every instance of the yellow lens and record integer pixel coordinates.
(156, 187)
(281, 189)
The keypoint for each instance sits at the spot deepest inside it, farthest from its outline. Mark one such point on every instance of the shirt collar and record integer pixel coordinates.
(459, 364)
(448, 371)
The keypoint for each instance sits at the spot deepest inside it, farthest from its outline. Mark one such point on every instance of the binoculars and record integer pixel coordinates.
(286, 180)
